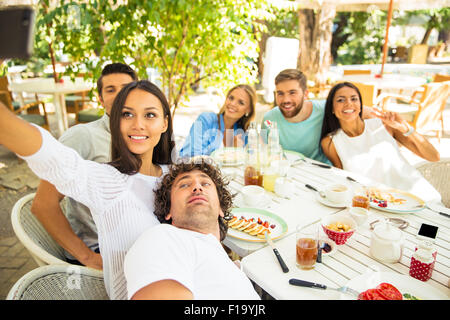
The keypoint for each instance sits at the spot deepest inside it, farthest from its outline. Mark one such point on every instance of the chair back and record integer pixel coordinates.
(355, 71)
(59, 282)
(368, 93)
(5, 94)
(430, 113)
(30, 232)
(438, 175)
(438, 77)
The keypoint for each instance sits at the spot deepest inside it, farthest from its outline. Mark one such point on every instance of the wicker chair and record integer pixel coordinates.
(438, 174)
(426, 114)
(30, 232)
(59, 282)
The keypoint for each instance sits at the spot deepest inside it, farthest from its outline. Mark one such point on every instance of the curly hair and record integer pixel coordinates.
(162, 194)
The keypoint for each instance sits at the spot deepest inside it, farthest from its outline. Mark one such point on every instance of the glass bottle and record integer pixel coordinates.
(274, 155)
(252, 173)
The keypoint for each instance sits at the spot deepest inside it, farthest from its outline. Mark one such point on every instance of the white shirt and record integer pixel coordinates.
(376, 155)
(197, 261)
(92, 141)
(121, 205)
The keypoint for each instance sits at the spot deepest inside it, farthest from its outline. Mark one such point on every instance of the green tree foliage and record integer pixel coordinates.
(438, 19)
(359, 37)
(214, 41)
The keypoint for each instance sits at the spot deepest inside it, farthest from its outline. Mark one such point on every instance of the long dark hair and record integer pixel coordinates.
(121, 157)
(330, 122)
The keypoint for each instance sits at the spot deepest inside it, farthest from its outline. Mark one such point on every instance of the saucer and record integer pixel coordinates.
(332, 204)
(239, 202)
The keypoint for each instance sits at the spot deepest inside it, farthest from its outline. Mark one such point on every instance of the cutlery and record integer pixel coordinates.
(321, 193)
(319, 252)
(277, 254)
(444, 214)
(310, 162)
(307, 284)
(441, 213)
(352, 180)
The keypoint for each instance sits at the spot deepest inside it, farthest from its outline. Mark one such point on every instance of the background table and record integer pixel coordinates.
(388, 82)
(58, 90)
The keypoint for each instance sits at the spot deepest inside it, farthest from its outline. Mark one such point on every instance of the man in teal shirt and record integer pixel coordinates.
(299, 120)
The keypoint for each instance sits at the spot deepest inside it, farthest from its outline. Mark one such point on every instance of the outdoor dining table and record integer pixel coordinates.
(352, 260)
(58, 90)
(389, 81)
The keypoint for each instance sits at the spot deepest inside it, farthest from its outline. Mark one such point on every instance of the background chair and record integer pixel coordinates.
(30, 232)
(58, 282)
(438, 174)
(33, 112)
(79, 105)
(89, 114)
(441, 77)
(355, 71)
(426, 114)
(368, 93)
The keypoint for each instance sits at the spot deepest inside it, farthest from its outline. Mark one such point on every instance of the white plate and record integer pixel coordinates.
(404, 283)
(239, 202)
(292, 156)
(229, 156)
(332, 204)
(412, 203)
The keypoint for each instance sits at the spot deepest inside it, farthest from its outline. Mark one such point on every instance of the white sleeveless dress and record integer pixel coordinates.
(376, 155)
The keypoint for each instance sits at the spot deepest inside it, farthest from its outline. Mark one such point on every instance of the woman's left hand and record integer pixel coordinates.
(391, 119)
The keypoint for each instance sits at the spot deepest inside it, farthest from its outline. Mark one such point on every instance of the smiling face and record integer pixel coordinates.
(237, 104)
(346, 104)
(289, 97)
(142, 122)
(195, 203)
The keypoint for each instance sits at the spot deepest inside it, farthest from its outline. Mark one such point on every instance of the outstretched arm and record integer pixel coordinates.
(18, 135)
(415, 142)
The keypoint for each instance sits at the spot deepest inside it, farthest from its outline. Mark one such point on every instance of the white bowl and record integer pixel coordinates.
(253, 195)
(337, 192)
(359, 214)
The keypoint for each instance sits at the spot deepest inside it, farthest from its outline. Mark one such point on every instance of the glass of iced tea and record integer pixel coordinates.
(306, 246)
(361, 199)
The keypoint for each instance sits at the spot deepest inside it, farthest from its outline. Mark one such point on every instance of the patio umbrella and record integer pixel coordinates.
(364, 5)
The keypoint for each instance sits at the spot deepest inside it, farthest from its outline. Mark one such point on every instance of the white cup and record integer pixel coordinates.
(283, 187)
(337, 193)
(359, 214)
(253, 195)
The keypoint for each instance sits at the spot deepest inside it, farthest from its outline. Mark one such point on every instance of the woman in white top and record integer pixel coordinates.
(370, 147)
(119, 194)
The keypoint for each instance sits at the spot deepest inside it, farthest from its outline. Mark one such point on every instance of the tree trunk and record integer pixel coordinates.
(315, 42)
(426, 36)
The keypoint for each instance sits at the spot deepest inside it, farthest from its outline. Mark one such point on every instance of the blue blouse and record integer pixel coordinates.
(205, 136)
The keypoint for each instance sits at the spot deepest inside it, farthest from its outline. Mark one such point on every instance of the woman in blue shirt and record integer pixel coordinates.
(210, 131)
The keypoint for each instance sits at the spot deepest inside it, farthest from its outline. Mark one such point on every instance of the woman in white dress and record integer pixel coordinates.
(119, 194)
(370, 147)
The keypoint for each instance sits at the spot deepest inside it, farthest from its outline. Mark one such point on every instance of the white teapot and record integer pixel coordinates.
(387, 242)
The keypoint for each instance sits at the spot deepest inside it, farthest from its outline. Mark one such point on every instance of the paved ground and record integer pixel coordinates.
(16, 180)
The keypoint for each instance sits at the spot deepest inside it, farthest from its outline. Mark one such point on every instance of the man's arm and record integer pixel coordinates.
(46, 207)
(163, 290)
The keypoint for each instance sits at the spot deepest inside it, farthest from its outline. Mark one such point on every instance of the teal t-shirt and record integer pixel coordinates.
(304, 136)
